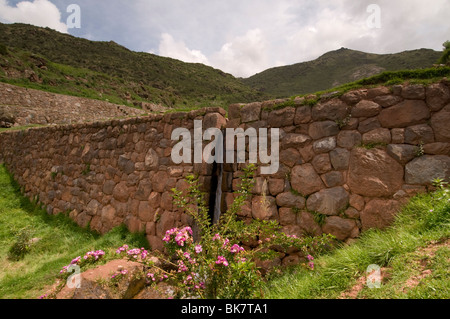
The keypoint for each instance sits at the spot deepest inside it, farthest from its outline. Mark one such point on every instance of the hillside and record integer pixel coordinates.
(336, 68)
(45, 59)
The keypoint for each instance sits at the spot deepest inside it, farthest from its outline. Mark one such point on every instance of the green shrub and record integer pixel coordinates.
(22, 244)
(3, 49)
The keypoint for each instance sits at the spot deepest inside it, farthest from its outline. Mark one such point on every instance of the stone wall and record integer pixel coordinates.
(21, 106)
(347, 163)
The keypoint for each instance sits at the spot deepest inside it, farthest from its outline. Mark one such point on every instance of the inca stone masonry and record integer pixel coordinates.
(353, 160)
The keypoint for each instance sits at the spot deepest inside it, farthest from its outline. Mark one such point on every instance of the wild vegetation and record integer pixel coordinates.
(340, 67)
(105, 70)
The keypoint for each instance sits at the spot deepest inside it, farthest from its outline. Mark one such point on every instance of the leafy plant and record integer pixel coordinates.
(439, 183)
(445, 58)
(22, 245)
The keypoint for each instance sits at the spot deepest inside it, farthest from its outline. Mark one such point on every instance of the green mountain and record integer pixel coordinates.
(336, 68)
(46, 59)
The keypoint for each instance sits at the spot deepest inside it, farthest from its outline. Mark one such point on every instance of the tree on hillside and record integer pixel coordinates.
(445, 58)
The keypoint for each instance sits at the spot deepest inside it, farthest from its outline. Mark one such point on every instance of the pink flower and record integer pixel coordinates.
(310, 258)
(216, 237)
(236, 248)
(311, 265)
(222, 260)
(198, 249)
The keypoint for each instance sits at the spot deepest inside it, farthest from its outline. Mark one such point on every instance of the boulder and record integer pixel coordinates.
(419, 134)
(294, 141)
(333, 179)
(290, 200)
(251, 112)
(366, 108)
(328, 201)
(440, 124)
(379, 213)
(413, 92)
(349, 139)
(322, 163)
(121, 192)
(402, 153)
(307, 223)
(302, 115)
(324, 145)
(305, 180)
(290, 157)
(438, 95)
(437, 148)
(322, 129)
(340, 228)
(332, 110)
(373, 173)
(283, 117)
(425, 169)
(339, 158)
(404, 114)
(377, 136)
(264, 208)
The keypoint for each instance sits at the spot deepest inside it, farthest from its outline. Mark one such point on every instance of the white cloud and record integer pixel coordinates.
(41, 13)
(168, 47)
(243, 55)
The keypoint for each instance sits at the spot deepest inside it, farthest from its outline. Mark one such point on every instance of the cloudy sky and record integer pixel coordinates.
(244, 37)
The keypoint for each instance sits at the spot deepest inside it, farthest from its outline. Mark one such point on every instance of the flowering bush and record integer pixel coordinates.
(89, 258)
(217, 265)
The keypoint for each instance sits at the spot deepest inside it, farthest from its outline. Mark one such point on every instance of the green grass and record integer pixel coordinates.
(424, 221)
(61, 240)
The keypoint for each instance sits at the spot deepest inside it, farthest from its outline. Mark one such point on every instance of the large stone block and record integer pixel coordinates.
(425, 169)
(283, 117)
(328, 201)
(366, 108)
(374, 173)
(251, 112)
(379, 213)
(402, 153)
(322, 129)
(340, 228)
(440, 124)
(305, 180)
(332, 110)
(407, 113)
(438, 95)
(419, 134)
(290, 200)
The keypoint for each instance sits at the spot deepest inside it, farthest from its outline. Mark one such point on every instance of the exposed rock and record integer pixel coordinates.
(340, 227)
(407, 113)
(438, 95)
(402, 153)
(379, 213)
(349, 139)
(437, 148)
(425, 169)
(283, 117)
(369, 125)
(324, 145)
(305, 180)
(322, 129)
(322, 163)
(388, 100)
(333, 179)
(302, 115)
(290, 157)
(295, 140)
(214, 120)
(287, 216)
(290, 200)
(251, 112)
(366, 108)
(414, 92)
(307, 223)
(121, 192)
(339, 158)
(419, 134)
(328, 201)
(332, 110)
(440, 124)
(264, 208)
(374, 173)
(377, 136)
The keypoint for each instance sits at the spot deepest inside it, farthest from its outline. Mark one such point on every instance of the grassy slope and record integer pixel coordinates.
(424, 221)
(61, 240)
(336, 68)
(108, 66)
